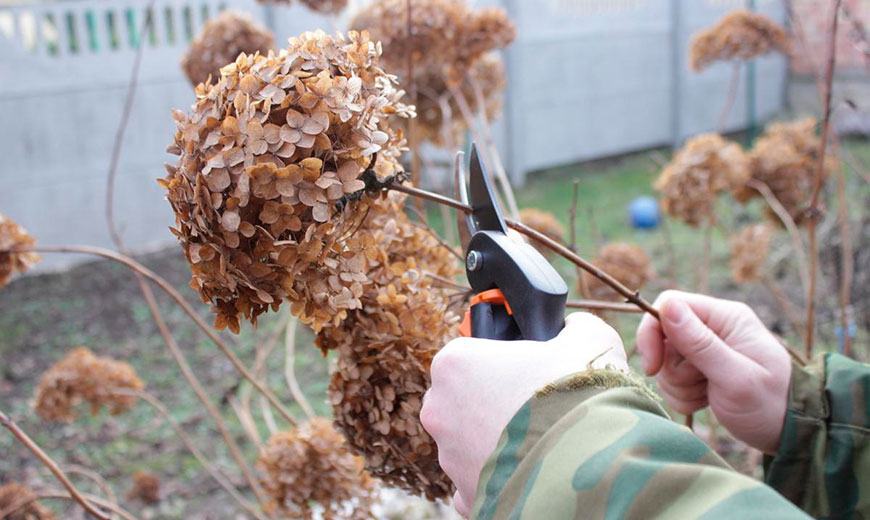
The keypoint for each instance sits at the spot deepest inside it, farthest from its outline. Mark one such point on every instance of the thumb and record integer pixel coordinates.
(694, 340)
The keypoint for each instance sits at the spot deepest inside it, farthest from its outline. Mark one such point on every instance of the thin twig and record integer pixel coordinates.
(118, 143)
(597, 305)
(198, 455)
(182, 302)
(733, 85)
(630, 296)
(75, 469)
(290, 368)
(52, 466)
(814, 210)
(199, 390)
(790, 226)
(60, 495)
(847, 266)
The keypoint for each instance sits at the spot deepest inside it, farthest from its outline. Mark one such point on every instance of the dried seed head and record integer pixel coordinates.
(627, 263)
(545, 223)
(146, 487)
(704, 167)
(749, 248)
(740, 35)
(268, 156)
(439, 118)
(448, 43)
(384, 352)
(83, 377)
(221, 40)
(310, 473)
(13, 493)
(13, 236)
(786, 158)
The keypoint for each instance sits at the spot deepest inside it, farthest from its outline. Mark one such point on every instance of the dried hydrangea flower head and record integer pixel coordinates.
(146, 487)
(13, 493)
(740, 35)
(268, 156)
(384, 352)
(221, 40)
(320, 6)
(310, 473)
(438, 112)
(545, 223)
(81, 377)
(786, 158)
(705, 166)
(449, 42)
(13, 236)
(627, 263)
(749, 248)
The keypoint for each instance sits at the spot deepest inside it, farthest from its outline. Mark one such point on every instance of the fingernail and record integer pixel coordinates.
(676, 312)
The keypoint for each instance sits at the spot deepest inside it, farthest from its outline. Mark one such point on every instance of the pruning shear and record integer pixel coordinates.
(517, 293)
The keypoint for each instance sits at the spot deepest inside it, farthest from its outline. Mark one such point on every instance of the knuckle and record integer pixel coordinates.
(428, 418)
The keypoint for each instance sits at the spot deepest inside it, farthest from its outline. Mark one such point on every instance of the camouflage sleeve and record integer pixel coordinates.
(823, 462)
(598, 445)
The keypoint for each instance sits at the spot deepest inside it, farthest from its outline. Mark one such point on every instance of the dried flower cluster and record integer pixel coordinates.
(786, 158)
(146, 487)
(439, 118)
(448, 43)
(749, 248)
(627, 263)
(704, 167)
(83, 377)
(13, 236)
(384, 352)
(320, 6)
(267, 191)
(221, 40)
(12, 494)
(545, 223)
(310, 473)
(741, 35)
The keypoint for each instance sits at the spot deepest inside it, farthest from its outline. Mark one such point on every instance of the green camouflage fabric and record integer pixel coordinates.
(598, 445)
(823, 462)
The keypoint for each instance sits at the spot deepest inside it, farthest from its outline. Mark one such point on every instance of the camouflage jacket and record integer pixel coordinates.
(598, 445)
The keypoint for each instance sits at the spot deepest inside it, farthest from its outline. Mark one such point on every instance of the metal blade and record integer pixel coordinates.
(486, 211)
(464, 221)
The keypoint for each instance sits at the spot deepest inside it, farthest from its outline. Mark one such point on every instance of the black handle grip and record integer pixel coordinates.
(492, 321)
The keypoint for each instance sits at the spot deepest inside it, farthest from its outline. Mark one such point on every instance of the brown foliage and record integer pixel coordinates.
(384, 352)
(786, 158)
(749, 249)
(705, 166)
(13, 236)
(146, 487)
(221, 40)
(543, 222)
(312, 465)
(266, 191)
(627, 263)
(740, 35)
(83, 377)
(449, 43)
(13, 493)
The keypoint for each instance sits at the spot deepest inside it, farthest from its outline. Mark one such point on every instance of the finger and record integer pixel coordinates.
(461, 505)
(717, 313)
(677, 370)
(684, 393)
(690, 337)
(684, 407)
(650, 344)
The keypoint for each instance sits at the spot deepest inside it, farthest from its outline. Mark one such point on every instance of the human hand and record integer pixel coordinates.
(479, 384)
(717, 352)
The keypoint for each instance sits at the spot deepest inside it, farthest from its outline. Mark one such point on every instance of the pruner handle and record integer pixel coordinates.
(490, 317)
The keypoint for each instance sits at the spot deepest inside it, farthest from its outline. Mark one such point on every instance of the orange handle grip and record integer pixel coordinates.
(491, 296)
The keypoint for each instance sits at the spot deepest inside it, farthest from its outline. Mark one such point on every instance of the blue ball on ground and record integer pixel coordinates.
(644, 213)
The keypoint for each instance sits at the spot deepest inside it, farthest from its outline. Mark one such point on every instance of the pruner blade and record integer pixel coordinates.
(486, 212)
